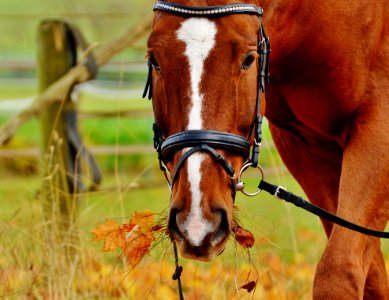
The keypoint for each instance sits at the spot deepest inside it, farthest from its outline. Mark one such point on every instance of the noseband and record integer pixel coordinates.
(209, 140)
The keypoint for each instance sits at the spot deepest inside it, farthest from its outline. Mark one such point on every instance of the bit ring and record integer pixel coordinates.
(244, 168)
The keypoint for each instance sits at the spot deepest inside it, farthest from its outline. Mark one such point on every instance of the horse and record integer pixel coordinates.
(328, 112)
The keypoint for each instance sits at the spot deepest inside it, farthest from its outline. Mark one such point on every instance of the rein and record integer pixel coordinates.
(210, 140)
(282, 194)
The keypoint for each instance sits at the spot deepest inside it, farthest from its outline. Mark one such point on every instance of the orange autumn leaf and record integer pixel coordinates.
(145, 221)
(249, 286)
(134, 238)
(137, 245)
(112, 235)
(139, 239)
(244, 237)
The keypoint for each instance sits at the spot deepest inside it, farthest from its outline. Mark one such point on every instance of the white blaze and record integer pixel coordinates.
(198, 34)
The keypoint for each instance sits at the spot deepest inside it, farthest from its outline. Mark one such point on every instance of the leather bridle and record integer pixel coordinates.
(210, 140)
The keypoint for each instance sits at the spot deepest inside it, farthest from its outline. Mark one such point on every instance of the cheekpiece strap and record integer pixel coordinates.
(263, 82)
(207, 11)
(158, 141)
(148, 91)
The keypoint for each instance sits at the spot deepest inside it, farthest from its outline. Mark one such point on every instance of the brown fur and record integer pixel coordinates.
(329, 116)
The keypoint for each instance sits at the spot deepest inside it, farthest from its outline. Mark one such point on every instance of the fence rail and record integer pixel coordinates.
(71, 15)
(96, 150)
(29, 65)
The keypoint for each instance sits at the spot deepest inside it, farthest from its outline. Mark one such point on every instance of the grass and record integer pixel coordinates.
(289, 243)
(23, 229)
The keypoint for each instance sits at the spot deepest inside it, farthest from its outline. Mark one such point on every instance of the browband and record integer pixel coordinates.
(207, 11)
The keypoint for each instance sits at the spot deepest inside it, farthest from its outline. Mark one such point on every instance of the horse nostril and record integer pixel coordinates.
(172, 224)
(223, 229)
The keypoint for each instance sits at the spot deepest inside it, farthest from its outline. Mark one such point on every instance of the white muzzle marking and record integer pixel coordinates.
(198, 34)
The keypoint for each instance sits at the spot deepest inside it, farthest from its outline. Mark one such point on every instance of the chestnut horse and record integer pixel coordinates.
(328, 110)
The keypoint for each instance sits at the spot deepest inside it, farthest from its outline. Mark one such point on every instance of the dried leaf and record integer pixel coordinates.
(128, 227)
(244, 237)
(137, 245)
(145, 221)
(249, 286)
(135, 237)
(112, 235)
(140, 238)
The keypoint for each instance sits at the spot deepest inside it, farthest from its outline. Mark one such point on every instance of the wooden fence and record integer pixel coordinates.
(63, 152)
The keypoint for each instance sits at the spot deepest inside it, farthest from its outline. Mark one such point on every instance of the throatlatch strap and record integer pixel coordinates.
(283, 194)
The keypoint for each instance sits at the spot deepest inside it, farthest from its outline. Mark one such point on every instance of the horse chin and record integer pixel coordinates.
(203, 253)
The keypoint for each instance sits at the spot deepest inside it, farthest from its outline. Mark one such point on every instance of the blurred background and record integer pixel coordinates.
(115, 125)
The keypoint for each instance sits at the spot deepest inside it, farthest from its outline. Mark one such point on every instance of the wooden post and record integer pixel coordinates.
(56, 55)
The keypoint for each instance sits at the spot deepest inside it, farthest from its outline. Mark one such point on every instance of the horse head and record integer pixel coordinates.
(204, 84)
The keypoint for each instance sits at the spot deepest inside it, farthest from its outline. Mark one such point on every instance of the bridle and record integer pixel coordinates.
(210, 140)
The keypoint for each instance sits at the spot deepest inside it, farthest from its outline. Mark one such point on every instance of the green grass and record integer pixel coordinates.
(23, 229)
(119, 198)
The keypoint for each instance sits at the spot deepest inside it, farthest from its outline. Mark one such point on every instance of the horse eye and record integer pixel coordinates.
(248, 61)
(154, 62)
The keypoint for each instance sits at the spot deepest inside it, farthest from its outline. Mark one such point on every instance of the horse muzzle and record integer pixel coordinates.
(198, 237)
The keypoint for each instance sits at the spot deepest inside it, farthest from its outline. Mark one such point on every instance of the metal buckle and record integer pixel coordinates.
(278, 190)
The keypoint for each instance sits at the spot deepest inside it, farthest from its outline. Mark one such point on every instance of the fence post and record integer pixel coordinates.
(56, 55)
